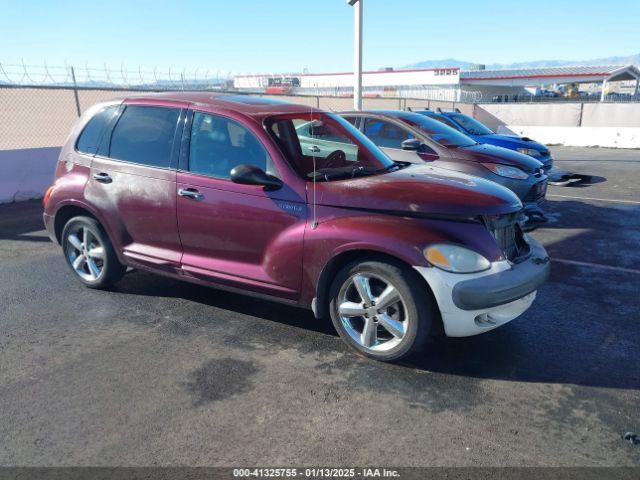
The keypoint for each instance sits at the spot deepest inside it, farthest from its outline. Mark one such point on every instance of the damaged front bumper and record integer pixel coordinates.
(477, 302)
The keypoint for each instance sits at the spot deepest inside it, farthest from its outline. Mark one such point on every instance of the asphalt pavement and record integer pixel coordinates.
(159, 372)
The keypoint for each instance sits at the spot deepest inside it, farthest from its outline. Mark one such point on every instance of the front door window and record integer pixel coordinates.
(219, 144)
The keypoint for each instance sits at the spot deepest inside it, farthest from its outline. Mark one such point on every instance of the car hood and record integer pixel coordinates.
(511, 141)
(490, 153)
(419, 190)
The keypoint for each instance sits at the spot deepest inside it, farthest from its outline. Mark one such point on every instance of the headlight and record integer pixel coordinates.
(530, 151)
(456, 259)
(506, 171)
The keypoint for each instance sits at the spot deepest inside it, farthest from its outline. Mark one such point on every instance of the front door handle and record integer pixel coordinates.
(314, 149)
(190, 193)
(102, 177)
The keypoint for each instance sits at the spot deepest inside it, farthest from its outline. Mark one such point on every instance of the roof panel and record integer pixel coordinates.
(247, 105)
(577, 71)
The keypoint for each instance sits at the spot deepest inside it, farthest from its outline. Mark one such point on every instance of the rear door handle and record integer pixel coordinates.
(314, 149)
(102, 177)
(190, 193)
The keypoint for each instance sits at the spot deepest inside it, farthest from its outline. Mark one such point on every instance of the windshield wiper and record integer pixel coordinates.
(388, 168)
(341, 172)
(337, 172)
(463, 146)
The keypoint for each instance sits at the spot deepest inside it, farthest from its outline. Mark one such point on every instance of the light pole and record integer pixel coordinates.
(357, 53)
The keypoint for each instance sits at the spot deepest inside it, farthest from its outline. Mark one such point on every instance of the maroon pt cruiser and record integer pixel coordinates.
(216, 190)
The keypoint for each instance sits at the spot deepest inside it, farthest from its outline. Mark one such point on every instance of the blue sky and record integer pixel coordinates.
(251, 36)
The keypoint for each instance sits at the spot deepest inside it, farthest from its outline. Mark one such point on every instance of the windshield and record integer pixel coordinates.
(471, 125)
(327, 142)
(437, 131)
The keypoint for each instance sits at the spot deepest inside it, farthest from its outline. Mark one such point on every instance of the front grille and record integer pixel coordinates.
(506, 238)
(508, 235)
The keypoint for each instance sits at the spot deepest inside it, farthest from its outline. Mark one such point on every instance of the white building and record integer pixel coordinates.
(374, 83)
(439, 83)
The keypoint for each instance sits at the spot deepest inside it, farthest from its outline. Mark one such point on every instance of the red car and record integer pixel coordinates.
(216, 190)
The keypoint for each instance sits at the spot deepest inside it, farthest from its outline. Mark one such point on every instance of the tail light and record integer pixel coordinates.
(47, 194)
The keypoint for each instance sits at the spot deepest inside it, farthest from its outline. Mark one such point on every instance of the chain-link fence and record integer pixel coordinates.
(35, 117)
(39, 103)
(36, 120)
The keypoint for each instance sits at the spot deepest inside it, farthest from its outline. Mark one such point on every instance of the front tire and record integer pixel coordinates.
(89, 253)
(381, 309)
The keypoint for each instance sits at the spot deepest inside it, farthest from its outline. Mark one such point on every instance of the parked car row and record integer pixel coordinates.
(479, 132)
(483, 134)
(388, 223)
(416, 137)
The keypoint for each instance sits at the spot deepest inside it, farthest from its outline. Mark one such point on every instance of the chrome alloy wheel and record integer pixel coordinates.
(85, 253)
(373, 312)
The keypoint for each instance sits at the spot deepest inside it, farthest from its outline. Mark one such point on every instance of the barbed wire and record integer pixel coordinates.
(105, 76)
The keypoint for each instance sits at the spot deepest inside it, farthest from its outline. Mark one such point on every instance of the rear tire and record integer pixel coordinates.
(89, 253)
(394, 322)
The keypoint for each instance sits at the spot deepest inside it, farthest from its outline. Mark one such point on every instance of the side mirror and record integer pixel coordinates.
(246, 174)
(411, 144)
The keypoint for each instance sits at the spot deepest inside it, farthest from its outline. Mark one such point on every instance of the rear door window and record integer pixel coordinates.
(385, 134)
(90, 137)
(145, 135)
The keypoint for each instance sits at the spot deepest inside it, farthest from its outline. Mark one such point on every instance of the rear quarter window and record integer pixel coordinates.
(446, 121)
(91, 135)
(145, 135)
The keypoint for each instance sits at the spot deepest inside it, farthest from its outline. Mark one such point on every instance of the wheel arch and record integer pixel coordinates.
(320, 304)
(67, 211)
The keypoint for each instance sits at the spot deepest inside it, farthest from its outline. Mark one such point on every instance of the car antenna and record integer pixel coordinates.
(439, 110)
(409, 109)
(314, 224)
(457, 110)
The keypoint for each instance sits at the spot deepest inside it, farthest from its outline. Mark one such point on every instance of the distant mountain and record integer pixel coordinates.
(447, 62)
(452, 62)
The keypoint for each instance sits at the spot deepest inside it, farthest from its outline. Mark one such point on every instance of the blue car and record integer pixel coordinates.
(483, 134)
